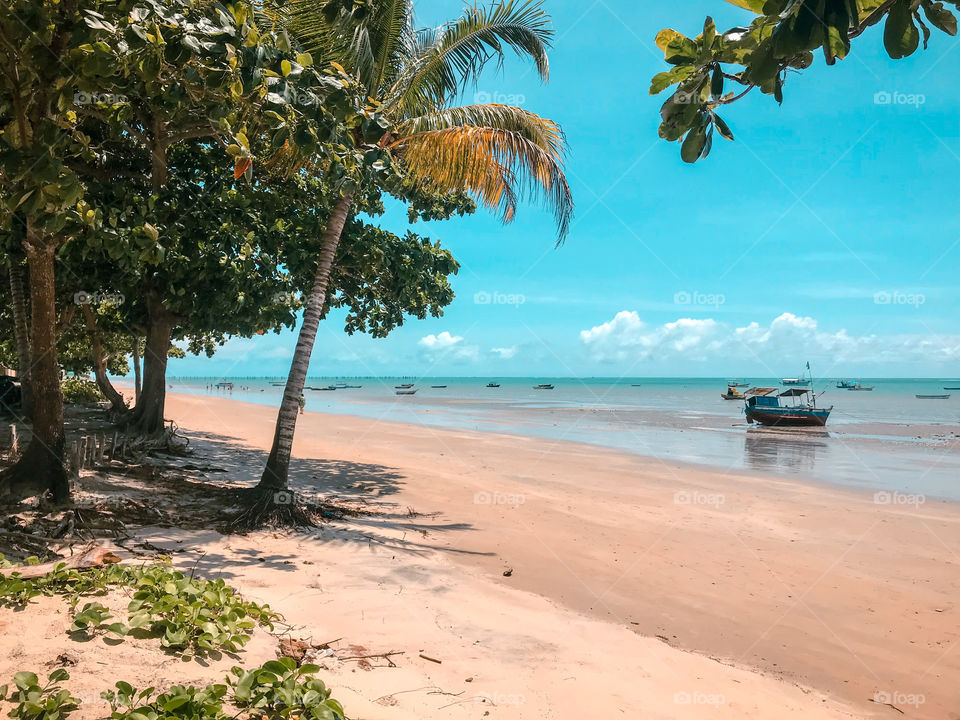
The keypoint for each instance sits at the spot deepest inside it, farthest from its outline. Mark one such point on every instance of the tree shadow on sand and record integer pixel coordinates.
(187, 498)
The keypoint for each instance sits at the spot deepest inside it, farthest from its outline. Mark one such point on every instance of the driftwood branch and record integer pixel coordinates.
(91, 557)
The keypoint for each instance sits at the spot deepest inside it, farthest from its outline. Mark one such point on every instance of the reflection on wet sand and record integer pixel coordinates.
(790, 451)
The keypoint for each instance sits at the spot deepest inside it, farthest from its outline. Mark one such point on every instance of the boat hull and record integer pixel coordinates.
(787, 417)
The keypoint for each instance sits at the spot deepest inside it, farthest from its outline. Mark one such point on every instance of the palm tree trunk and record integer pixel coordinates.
(21, 334)
(100, 363)
(278, 464)
(41, 468)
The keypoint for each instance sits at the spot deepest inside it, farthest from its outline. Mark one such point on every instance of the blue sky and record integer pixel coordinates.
(828, 231)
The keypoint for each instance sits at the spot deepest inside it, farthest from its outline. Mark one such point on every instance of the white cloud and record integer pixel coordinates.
(627, 337)
(443, 341)
(504, 353)
(449, 346)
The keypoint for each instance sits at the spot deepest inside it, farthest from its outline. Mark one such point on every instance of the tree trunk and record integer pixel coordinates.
(21, 333)
(136, 369)
(100, 363)
(41, 468)
(278, 464)
(148, 414)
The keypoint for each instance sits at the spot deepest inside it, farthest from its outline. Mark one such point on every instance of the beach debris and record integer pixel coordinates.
(508, 572)
(92, 556)
(433, 660)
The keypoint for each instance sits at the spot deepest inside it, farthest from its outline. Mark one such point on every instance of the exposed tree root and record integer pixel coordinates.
(264, 508)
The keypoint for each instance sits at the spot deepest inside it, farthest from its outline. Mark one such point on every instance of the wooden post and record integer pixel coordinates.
(14, 441)
(75, 458)
(113, 446)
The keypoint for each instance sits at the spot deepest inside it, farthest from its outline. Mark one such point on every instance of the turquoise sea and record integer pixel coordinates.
(886, 439)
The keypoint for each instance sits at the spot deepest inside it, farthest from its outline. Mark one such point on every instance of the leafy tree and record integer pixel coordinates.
(781, 39)
(41, 201)
(493, 152)
(84, 90)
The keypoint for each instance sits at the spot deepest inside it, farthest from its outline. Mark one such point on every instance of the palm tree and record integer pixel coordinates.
(498, 153)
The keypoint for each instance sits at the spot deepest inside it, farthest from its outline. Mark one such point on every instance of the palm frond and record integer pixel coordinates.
(463, 48)
(543, 132)
(497, 166)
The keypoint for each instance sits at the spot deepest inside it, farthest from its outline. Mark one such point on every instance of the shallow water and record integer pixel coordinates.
(882, 440)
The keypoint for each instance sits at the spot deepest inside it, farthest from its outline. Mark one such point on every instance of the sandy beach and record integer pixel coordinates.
(536, 569)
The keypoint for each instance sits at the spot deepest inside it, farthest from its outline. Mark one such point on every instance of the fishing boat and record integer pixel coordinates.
(861, 388)
(544, 386)
(438, 387)
(933, 397)
(405, 386)
(406, 392)
(493, 385)
(846, 384)
(795, 382)
(952, 388)
(735, 384)
(732, 393)
(765, 406)
(322, 389)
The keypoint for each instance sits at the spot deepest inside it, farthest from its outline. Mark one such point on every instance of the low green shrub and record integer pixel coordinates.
(189, 615)
(81, 392)
(33, 701)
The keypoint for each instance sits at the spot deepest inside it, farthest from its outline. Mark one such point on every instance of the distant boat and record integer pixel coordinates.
(952, 388)
(406, 392)
(544, 386)
(735, 384)
(933, 397)
(322, 389)
(732, 393)
(763, 406)
(493, 385)
(861, 388)
(341, 386)
(636, 385)
(846, 384)
(405, 386)
(796, 382)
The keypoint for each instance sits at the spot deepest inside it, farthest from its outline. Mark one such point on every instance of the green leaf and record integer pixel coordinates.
(722, 127)
(940, 17)
(900, 36)
(24, 680)
(694, 144)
